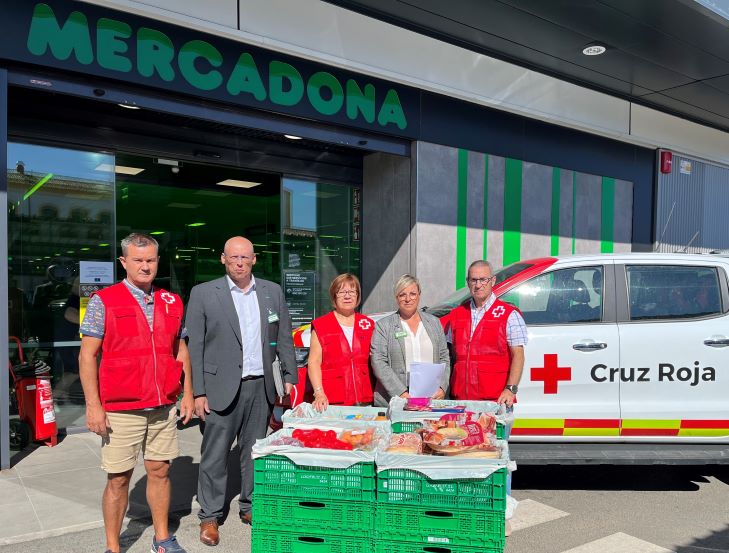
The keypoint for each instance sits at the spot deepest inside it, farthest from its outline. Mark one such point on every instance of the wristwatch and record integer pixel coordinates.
(513, 388)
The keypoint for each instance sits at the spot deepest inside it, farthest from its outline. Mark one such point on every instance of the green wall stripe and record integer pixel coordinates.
(486, 206)
(512, 211)
(556, 175)
(574, 208)
(462, 219)
(607, 220)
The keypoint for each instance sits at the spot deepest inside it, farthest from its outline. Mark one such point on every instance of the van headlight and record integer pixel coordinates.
(302, 356)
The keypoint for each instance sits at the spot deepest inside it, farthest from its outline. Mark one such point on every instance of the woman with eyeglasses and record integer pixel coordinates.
(339, 369)
(407, 336)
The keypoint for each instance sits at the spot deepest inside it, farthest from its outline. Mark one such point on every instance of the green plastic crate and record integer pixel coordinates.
(409, 487)
(279, 476)
(411, 426)
(391, 546)
(315, 514)
(268, 539)
(470, 527)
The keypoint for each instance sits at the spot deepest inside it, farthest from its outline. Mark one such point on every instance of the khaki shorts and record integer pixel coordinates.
(154, 432)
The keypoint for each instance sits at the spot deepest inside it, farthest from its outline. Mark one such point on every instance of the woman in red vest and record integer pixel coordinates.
(339, 368)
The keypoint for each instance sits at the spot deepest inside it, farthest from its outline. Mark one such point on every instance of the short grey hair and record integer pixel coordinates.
(403, 282)
(139, 240)
(479, 263)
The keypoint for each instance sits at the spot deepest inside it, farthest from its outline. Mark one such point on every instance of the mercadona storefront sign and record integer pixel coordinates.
(107, 43)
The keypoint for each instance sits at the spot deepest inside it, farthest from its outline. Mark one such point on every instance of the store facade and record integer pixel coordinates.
(111, 122)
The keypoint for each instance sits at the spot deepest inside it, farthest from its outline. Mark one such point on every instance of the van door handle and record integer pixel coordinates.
(589, 346)
(717, 342)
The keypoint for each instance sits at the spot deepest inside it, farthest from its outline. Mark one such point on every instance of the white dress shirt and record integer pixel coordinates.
(418, 346)
(249, 319)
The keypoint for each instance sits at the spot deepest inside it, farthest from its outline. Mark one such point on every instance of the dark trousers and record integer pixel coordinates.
(245, 420)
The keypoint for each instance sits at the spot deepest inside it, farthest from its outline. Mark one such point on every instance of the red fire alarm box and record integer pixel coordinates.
(666, 161)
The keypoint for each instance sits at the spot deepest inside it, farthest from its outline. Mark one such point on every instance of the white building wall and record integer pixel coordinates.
(328, 34)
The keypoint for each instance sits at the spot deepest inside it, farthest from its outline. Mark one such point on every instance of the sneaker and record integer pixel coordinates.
(169, 545)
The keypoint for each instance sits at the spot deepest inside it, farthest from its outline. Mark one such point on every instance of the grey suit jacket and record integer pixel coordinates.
(216, 347)
(387, 355)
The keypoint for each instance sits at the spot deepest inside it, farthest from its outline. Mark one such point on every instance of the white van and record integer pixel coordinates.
(623, 349)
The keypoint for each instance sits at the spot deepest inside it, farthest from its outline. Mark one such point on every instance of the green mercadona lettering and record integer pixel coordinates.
(197, 61)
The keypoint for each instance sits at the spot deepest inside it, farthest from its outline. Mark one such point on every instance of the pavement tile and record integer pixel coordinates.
(19, 518)
(530, 513)
(12, 492)
(619, 543)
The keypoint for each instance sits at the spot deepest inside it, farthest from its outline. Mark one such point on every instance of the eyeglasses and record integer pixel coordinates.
(345, 293)
(481, 281)
(240, 258)
(407, 296)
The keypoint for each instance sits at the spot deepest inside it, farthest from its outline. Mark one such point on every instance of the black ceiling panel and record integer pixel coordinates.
(672, 55)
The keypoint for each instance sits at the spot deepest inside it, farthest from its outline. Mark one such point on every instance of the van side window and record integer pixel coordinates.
(672, 292)
(559, 297)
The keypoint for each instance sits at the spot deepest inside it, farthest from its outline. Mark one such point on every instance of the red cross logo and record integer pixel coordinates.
(167, 297)
(551, 373)
(365, 324)
(498, 311)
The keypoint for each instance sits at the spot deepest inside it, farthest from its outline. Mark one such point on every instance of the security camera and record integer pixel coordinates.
(20, 167)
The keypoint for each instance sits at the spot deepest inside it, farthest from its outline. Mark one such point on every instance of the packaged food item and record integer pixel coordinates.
(381, 416)
(287, 440)
(358, 438)
(322, 439)
(408, 442)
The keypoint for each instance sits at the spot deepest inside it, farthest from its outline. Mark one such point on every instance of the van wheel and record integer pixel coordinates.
(19, 434)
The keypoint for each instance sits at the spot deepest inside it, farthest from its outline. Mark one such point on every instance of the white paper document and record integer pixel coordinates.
(425, 378)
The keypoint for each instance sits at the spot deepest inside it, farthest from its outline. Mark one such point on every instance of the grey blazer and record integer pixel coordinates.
(387, 355)
(215, 344)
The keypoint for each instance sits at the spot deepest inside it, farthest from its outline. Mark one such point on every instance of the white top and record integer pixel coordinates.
(418, 347)
(348, 333)
(249, 319)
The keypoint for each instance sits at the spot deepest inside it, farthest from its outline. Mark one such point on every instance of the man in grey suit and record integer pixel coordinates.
(236, 326)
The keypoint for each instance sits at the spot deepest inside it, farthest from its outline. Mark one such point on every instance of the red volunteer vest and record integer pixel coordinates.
(138, 368)
(345, 372)
(482, 360)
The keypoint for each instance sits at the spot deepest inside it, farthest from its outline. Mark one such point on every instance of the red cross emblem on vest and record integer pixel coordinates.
(498, 311)
(167, 297)
(364, 324)
(551, 374)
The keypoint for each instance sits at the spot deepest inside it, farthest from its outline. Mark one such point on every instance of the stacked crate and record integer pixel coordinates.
(302, 508)
(418, 514)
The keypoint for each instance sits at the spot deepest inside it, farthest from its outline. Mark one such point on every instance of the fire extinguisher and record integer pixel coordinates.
(34, 398)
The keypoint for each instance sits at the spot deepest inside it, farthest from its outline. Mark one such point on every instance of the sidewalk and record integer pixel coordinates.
(56, 491)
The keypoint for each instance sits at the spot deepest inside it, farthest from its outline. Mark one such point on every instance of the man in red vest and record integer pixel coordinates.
(488, 338)
(131, 397)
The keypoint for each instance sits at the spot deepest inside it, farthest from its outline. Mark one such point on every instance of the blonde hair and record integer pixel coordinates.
(341, 280)
(403, 282)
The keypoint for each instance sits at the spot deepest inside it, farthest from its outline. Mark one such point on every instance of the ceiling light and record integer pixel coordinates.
(238, 183)
(171, 162)
(120, 169)
(292, 137)
(128, 106)
(594, 49)
(195, 225)
(103, 245)
(156, 232)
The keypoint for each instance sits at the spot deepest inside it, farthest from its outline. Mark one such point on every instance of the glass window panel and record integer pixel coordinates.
(321, 241)
(60, 212)
(672, 292)
(564, 296)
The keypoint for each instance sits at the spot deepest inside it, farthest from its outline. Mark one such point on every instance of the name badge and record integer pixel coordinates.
(273, 317)
(401, 334)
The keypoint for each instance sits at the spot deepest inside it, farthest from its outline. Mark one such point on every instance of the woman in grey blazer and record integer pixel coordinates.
(408, 335)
